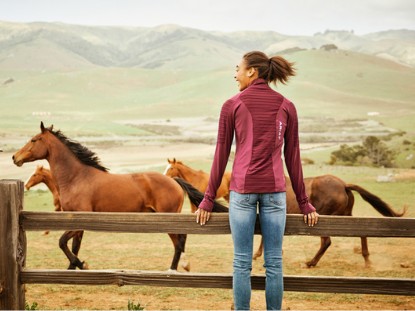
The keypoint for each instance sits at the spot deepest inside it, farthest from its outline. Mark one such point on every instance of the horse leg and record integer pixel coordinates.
(184, 261)
(76, 246)
(179, 241)
(325, 243)
(76, 242)
(74, 261)
(258, 253)
(57, 209)
(365, 252)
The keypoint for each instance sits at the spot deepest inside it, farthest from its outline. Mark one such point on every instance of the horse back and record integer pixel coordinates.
(139, 192)
(162, 193)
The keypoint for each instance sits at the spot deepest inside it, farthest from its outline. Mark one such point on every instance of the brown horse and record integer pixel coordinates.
(332, 196)
(329, 194)
(87, 186)
(43, 175)
(197, 178)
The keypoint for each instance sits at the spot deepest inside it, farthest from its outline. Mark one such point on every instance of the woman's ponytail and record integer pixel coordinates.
(280, 70)
(271, 69)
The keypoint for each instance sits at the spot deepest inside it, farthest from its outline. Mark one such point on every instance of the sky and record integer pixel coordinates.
(291, 17)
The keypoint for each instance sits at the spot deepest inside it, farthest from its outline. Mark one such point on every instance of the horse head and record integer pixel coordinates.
(172, 169)
(36, 178)
(35, 149)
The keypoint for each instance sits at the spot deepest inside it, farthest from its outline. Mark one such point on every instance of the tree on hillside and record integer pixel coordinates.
(328, 47)
(378, 152)
(372, 152)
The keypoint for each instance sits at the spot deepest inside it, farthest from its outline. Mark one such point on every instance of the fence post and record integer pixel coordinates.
(12, 246)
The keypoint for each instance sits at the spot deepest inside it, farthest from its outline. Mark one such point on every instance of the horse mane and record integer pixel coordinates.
(84, 155)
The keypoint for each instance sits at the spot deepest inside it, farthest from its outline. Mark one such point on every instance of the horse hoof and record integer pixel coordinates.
(186, 266)
(310, 264)
(171, 271)
(85, 266)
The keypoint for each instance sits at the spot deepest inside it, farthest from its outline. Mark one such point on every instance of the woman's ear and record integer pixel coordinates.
(251, 72)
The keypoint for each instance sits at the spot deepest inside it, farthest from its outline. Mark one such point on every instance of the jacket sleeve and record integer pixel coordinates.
(223, 148)
(293, 159)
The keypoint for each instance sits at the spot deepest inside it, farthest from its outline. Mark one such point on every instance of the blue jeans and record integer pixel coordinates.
(242, 216)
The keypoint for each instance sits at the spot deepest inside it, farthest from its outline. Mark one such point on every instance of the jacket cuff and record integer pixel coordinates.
(206, 205)
(307, 208)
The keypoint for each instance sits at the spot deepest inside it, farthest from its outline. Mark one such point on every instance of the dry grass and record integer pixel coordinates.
(390, 258)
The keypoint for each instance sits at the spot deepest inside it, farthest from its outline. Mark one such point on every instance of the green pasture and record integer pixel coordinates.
(339, 85)
(334, 92)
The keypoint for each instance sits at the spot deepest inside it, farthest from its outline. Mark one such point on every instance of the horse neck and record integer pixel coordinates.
(64, 165)
(189, 174)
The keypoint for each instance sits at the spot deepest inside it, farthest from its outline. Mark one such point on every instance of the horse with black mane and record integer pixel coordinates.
(85, 185)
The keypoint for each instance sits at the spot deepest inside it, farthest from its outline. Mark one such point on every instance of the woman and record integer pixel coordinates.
(263, 121)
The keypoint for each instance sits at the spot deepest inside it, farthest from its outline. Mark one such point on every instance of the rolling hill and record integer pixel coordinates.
(326, 82)
(56, 46)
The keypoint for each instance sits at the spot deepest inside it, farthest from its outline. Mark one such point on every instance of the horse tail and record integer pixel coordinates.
(196, 196)
(381, 206)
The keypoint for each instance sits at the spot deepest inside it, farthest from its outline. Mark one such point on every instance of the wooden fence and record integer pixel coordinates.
(14, 222)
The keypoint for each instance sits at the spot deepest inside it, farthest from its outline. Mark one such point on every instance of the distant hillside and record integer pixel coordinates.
(327, 82)
(56, 46)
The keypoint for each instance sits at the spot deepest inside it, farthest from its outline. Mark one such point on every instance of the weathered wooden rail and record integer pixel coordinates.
(14, 222)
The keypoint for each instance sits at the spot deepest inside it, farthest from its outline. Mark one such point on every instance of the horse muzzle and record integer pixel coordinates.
(17, 161)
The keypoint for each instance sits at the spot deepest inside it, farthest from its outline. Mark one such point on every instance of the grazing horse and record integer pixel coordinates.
(332, 196)
(87, 186)
(197, 178)
(44, 175)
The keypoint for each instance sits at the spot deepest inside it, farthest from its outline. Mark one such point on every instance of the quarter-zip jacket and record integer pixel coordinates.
(263, 123)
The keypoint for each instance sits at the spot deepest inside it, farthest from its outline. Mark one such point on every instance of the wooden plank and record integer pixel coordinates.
(124, 222)
(219, 224)
(384, 286)
(12, 246)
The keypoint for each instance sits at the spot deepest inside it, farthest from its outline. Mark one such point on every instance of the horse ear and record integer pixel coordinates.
(168, 160)
(174, 160)
(42, 127)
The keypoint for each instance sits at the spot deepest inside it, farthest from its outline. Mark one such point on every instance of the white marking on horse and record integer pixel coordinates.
(167, 169)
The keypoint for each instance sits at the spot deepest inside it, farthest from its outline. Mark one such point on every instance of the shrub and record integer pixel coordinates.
(132, 306)
(372, 152)
(31, 307)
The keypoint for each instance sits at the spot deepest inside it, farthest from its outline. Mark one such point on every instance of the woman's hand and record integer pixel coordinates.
(202, 216)
(311, 219)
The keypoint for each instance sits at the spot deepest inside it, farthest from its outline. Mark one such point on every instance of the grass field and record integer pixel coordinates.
(390, 257)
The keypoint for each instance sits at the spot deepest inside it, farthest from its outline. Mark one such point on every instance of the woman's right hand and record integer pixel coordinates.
(202, 216)
(311, 219)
